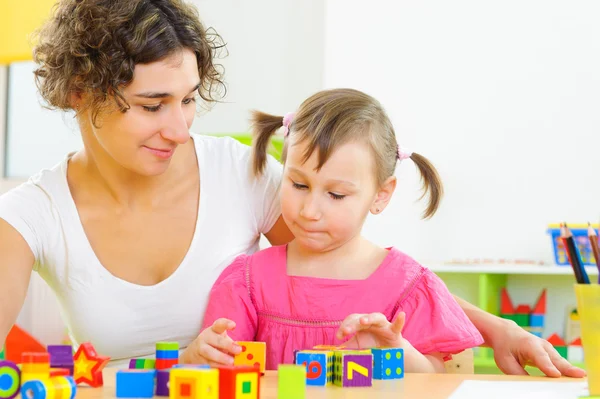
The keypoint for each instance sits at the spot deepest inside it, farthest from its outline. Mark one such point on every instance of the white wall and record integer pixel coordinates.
(502, 96)
(275, 60)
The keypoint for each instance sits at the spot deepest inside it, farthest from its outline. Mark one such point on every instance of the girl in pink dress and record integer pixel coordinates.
(330, 285)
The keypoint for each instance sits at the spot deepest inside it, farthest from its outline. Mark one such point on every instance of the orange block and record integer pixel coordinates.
(19, 341)
(253, 354)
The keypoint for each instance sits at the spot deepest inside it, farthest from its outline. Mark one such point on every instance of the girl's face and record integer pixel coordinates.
(326, 209)
(162, 99)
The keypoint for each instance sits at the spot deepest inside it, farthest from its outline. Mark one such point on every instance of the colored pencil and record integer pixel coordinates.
(573, 255)
(593, 237)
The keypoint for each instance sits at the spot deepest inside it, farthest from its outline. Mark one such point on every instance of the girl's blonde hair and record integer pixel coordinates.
(331, 118)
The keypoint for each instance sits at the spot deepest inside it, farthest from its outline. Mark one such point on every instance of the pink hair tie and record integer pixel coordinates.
(287, 121)
(403, 153)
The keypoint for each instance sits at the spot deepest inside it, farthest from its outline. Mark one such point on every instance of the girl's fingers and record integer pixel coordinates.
(214, 355)
(398, 323)
(222, 325)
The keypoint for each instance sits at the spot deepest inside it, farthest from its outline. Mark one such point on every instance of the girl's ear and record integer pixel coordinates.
(384, 195)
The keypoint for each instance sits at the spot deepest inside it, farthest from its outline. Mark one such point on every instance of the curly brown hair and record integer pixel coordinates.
(93, 46)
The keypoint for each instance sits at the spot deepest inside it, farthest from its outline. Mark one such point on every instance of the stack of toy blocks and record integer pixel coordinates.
(167, 355)
(61, 357)
(253, 354)
(147, 364)
(522, 315)
(10, 379)
(353, 368)
(318, 364)
(388, 363)
(61, 387)
(35, 366)
(291, 382)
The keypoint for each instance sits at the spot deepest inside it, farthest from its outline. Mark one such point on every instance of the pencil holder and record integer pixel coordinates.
(588, 307)
(579, 232)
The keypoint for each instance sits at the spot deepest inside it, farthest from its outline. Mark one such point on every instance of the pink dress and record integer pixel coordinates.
(291, 312)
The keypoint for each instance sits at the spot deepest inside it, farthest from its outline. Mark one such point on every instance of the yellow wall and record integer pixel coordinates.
(18, 19)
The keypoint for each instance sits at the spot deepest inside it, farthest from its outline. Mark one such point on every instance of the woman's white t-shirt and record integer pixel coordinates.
(125, 320)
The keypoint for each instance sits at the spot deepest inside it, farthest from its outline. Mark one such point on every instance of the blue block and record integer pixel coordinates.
(166, 354)
(316, 367)
(536, 320)
(135, 383)
(388, 364)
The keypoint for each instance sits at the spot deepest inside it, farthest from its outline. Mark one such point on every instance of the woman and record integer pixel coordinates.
(132, 230)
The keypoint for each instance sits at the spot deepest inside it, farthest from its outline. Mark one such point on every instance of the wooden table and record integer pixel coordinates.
(413, 386)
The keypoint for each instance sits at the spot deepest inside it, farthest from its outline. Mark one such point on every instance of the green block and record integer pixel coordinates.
(291, 381)
(562, 350)
(2, 355)
(145, 364)
(167, 346)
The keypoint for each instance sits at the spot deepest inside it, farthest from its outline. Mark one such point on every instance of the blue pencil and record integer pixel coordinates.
(573, 254)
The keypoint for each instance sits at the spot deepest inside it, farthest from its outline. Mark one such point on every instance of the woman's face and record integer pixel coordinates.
(144, 138)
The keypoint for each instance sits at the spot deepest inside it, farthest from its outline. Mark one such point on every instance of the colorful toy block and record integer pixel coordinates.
(388, 363)
(167, 355)
(291, 382)
(147, 364)
(319, 366)
(559, 344)
(19, 341)
(61, 356)
(62, 387)
(239, 382)
(353, 369)
(135, 383)
(57, 372)
(575, 351)
(523, 315)
(190, 366)
(194, 384)
(10, 379)
(88, 366)
(35, 366)
(253, 354)
(162, 382)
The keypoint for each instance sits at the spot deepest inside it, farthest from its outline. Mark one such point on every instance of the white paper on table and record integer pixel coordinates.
(478, 389)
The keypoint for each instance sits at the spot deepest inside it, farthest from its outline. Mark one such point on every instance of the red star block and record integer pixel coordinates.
(88, 366)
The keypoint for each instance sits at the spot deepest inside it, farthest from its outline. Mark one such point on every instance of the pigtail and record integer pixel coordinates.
(432, 184)
(263, 127)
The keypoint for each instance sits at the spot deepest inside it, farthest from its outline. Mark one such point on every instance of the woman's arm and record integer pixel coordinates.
(514, 348)
(16, 264)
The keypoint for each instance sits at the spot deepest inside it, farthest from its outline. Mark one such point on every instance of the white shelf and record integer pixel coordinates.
(508, 269)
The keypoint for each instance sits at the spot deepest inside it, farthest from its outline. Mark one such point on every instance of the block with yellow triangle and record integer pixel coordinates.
(88, 366)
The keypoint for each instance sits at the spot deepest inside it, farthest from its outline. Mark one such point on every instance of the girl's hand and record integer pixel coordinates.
(372, 331)
(213, 346)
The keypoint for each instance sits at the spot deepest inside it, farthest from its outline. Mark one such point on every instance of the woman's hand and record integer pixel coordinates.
(213, 346)
(372, 331)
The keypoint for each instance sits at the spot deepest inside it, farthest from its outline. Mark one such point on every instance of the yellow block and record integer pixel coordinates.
(246, 386)
(253, 354)
(18, 20)
(194, 384)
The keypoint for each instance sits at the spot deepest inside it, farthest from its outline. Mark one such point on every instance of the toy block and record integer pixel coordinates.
(62, 387)
(57, 372)
(319, 366)
(327, 347)
(523, 309)
(2, 354)
(167, 354)
(540, 306)
(506, 306)
(167, 346)
(162, 364)
(536, 320)
(10, 379)
(562, 350)
(556, 340)
(190, 366)
(88, 366)
(19, 341)
(35, 366)
(353, 369)
(135, 383)
(520, 319)
(35, 358)
(147, 364)
(253, 354)
(61, 356)
(239, 382)
(291, 382)
(162, 382)
(388, 364)
(194, 384)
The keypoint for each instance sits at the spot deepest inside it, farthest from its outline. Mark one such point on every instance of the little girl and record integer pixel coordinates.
(330, 285)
